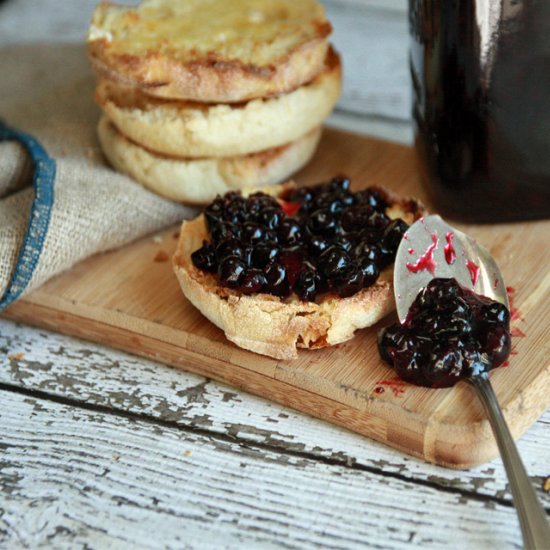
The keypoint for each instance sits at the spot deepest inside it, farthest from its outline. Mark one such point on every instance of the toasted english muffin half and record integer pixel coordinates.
(210, 50)
(274, 326)
(191, 129)
(198, 181)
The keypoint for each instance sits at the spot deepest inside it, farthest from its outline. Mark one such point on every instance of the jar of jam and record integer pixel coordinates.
(481, 106)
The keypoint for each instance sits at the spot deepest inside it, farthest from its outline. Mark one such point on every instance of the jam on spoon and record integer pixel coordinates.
(450, 333)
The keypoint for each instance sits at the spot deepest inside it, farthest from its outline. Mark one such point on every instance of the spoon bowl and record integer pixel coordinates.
(432, 249)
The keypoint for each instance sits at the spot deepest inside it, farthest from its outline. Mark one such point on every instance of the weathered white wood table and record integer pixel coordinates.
(99, 449)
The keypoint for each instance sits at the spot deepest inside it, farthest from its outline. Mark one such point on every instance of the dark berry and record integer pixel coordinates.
(253, 281)
(497, 344)
(231, 270)
(408, 359)
(214, 212)
(356, 218)
(334, 203)
(317, 245)
(496, 313)
(334, 263)
(263, 253)
(253, 233)
(339, 183)
(205, 258)
(370, 273)
(343, 242)
(302, 195)
(277, 282)
(374, 198)
(307, 285)
(378, 221)
(224, 230)
(235, 210)
(258, 202)
(322, 222)
(350, 284)
(393, 234)
(289, 231)
(443, 368)
(270, 217)
(369, 236)
(231, 247)
(366, 252)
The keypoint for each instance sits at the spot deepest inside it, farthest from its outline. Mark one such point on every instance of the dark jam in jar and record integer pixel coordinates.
(450, 333)
(481, 106)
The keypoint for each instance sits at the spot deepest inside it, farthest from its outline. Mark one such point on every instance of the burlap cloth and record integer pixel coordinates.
(47, 91)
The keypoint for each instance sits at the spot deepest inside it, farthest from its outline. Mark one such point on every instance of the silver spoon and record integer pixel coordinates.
(431, 248)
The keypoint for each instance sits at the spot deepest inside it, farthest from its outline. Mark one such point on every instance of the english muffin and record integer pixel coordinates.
(210, 50)
(273, 289)
(191, 129)
(199, 180)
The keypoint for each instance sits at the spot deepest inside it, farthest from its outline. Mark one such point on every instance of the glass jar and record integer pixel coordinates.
(481, 106)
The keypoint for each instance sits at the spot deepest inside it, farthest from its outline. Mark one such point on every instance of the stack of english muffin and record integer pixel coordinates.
(204, 96)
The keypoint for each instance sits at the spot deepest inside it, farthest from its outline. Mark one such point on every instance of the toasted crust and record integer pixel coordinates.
(198, 181)
(208, 50)
(191, 129)
(273, 326)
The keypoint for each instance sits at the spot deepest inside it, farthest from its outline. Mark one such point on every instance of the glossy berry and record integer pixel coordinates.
(270, 217)
(289, 232)
(253, 233)
(224, 230)
(214, 212)
(317, 245)
(263, 253)
(334, 263)
(375, 198)
(234, 211)
(356, 218)
(377, 221)
(276, 280)
(205, 258)
(370, 273)
(365, 251)
(231, 270)
(322, 222)
(253, 281)
(496, 313)
(450, 333)
(307, 285)
(350, 284)
(393, 234)
(231, 247)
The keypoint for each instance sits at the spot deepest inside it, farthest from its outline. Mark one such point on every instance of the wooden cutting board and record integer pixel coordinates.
(131, 300)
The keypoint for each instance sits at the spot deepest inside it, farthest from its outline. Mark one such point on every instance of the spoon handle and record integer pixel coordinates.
(532, 517)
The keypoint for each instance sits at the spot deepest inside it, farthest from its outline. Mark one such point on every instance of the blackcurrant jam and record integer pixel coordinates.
(481, 106)
(312, 241)
(450, 333)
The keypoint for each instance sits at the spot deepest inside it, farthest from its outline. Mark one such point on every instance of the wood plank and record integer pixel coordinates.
(127, 300)
(75, 477)
(58, 366)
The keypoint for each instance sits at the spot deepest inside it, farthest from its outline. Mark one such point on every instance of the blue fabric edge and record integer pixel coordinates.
(39, 216)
